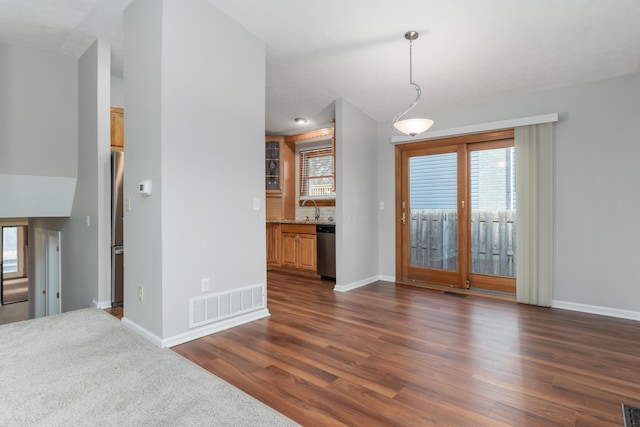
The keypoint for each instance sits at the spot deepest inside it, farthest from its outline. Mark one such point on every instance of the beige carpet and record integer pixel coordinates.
(82, 368)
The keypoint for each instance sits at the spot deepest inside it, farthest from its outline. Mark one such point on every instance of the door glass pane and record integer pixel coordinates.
(433, 217)
(493, 212)
(9, 249)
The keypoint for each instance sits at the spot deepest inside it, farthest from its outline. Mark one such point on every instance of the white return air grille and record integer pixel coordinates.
(215, 307)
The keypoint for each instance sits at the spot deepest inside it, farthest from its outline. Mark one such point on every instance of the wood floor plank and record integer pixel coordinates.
(387, 354)
(322, 400)
(397, 412)
(446, 411)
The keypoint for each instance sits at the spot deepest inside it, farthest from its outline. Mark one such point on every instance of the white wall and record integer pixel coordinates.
(38, 132)
(86, 259)
(386, 196)
(356, 197)
(195, 85)
(143, 224)
(117, 92)
(596, 154)
(213, 156)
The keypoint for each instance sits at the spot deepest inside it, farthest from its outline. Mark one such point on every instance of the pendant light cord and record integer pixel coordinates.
(410, 62)
(415, 85)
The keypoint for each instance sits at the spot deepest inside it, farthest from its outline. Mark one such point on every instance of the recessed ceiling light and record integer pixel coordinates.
(300, 120)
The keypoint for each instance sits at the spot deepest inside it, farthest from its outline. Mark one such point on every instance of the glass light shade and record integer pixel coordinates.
(412, 127)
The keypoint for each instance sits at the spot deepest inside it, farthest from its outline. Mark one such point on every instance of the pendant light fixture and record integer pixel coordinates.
(411, 127)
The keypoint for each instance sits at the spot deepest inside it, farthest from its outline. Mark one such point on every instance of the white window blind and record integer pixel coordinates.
(317, 173)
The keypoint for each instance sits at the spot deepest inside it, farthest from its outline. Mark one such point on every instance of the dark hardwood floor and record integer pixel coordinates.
(391, 355)
(115, 311)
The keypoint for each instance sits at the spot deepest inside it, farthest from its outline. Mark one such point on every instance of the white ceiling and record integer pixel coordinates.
(469, 51)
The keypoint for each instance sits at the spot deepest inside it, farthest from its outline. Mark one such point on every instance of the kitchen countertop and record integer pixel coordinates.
(301, 221)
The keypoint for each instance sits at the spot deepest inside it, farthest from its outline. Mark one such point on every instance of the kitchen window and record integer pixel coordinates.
(317, 174)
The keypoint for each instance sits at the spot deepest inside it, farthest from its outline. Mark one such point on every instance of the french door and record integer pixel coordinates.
(455, 212)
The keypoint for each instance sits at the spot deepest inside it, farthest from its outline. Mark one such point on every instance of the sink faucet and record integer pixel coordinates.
(315, 204)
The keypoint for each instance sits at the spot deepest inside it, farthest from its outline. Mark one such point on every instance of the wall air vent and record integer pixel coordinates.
(215, 307)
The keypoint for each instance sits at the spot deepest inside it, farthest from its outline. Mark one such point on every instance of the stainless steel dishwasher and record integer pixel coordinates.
(326, 250)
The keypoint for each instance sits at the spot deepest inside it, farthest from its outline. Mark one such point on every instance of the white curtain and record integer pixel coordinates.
(534, 213)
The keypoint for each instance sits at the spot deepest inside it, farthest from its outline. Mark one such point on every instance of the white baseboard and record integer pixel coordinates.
(198, 332)
(212, 328)
(364, 282)
(594, 309)
(132, 326)
(102, 304)
(354, 285)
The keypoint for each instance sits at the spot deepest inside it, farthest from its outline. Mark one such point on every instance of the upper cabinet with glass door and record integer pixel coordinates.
(279, 187)
(273, 164)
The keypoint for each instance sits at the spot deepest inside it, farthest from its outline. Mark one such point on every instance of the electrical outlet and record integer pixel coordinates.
(204, 285)
(140, 293)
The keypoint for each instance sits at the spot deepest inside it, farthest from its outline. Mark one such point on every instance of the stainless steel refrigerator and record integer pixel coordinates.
(117, 235)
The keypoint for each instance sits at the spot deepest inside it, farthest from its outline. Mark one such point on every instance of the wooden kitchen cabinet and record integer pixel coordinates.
(290, 250)
(117, 129)
(279, 178)
(298, 247)
(274, 246)
(307, 252)
(274, 208)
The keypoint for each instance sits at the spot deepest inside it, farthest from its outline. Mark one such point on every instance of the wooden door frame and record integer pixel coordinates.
(464, 192)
